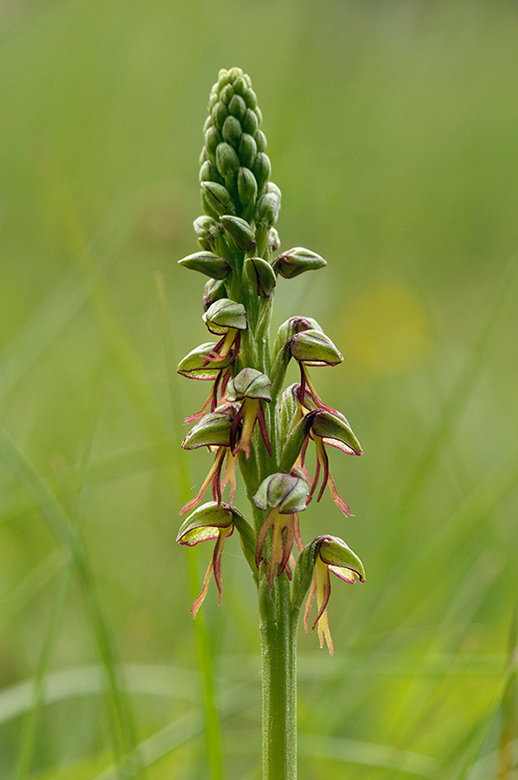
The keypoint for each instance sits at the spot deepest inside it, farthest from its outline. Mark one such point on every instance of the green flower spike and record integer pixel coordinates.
(330, 554)
(251, 387)
(234, 167)
(284, 495)
(213, 521)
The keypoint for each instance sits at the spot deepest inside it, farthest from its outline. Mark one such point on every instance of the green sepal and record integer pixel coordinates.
(227, 160)
(335, 430)
(240, 231)
(296, 261)
(334, 552)
(284, 492)
(217, 198)
(262, 170)
(249, 383)
(237, 107)
(290, 327)
(193, 365)
(246, 186)
(267, 209)
(232, 131)
(247, 150)
(206, 263)
(224, 314)
(314, 348)
(260, 275)
(213, 430)
(204, 522)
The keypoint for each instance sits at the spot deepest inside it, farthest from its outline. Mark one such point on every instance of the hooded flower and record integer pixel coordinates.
(251, 389)
(326, 426)
(331, 554)
(210, 521)
(213, 431)
(284, 495)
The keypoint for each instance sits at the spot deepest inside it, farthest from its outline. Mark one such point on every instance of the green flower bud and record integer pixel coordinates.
(262, 170)
(259, 115)
(296, 261)
(227, 160)
(240, 86)
(204, 228)
(290, 327)
(247, 150)
(272, 187)
(226, 94)
(213, 291)
(267, 209)
(314, 348)
(284, 492)
(251, 99)
(213, 430)
(274, 241)
(195, 366)
(261, 276)
(260, 140)
(240, 231)
(232, 130)
(246, 186)
(237, 107)
(250, 122)
(209, 172)
(249, 383)
(217, 198)
(219, 114)
(212, 139)
(206, 263)
(225, 314)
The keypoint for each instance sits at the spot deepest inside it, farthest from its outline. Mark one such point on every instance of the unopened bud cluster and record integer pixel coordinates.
(249, 419)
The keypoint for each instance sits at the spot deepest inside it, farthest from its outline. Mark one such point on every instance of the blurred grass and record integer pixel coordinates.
(392, 130)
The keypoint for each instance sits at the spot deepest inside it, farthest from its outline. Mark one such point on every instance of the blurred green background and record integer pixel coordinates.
(393, 134)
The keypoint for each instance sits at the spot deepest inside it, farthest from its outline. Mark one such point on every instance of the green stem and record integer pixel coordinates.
(279, 674)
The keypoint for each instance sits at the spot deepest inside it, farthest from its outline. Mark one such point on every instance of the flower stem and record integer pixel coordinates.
(279, 674)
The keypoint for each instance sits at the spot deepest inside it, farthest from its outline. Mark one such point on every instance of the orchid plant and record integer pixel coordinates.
(248, 420)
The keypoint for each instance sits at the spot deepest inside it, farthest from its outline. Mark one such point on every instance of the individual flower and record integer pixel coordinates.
(227, 319)
(302, 420)
(250, 388)
(284, 495)
(210, 521)
(213, 431)
(331, 554)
